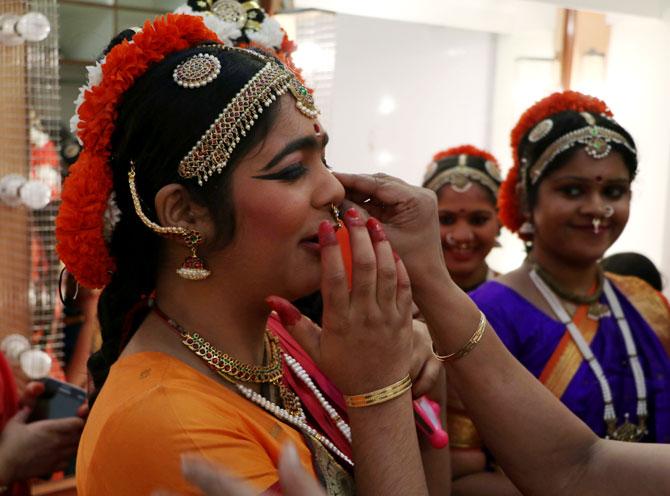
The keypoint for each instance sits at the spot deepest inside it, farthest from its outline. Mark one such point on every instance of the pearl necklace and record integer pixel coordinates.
(298, 422)
(627, 431)
(302, 374)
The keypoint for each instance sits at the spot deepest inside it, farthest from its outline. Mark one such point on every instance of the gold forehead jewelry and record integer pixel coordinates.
(460, 178)
(597, 143)
(213, 150)
(197, 71)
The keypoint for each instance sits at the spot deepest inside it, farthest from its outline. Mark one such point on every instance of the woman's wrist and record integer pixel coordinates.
(430, 280)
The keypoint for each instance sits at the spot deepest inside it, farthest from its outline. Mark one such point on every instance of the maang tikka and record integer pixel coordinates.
(194, 267)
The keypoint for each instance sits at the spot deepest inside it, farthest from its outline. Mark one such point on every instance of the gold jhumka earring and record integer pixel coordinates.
(194, 267)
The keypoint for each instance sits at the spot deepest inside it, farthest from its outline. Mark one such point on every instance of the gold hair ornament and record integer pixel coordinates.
(213, 150)
(597, 141)
(199, 70)
(194, 267)
(460, 178)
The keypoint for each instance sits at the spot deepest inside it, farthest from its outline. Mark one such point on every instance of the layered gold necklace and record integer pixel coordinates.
(234, 370)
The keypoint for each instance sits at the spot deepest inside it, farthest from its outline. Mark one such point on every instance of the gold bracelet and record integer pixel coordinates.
(380, 395)
(469, 346)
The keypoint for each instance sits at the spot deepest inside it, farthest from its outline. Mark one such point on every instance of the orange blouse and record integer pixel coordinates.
(152, 409)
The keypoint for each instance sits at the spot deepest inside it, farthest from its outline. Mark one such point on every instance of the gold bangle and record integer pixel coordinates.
(469, 346)
(380, 395)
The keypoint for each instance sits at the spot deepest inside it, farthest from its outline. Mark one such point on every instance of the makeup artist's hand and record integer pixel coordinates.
(408, 214)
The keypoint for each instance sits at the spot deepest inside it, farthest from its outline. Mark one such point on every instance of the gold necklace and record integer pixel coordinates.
(234, 370)
(596, 309)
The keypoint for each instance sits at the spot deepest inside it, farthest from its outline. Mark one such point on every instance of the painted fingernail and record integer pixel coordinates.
(376, 231)
(396, 257)
(352, 218)
(327, 235)
(287, 313)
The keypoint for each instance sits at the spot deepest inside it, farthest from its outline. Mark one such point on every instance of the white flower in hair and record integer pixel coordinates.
(227, 32)
(94, 78)
(94, 74)
(111, 217)
(269, 35)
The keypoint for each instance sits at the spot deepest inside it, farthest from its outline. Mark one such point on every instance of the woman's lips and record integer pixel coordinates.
(461, 253)
(311, 243)
(591, 228)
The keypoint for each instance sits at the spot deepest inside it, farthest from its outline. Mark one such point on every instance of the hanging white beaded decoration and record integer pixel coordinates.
(302, 374)
(197, 71)
(298, 422)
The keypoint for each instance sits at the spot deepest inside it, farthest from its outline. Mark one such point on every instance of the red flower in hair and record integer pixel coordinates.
(509, 201)
(80, 222)
(465, 150)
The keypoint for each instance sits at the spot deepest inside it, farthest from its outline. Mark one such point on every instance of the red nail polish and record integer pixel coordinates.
(327, 235)
(288, 314)
(376, 231)
(352, 218)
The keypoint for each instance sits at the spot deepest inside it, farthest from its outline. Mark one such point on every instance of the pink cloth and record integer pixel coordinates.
(310, 403)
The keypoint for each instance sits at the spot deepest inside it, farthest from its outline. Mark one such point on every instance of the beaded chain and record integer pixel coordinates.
(302, 374)
(297, 421)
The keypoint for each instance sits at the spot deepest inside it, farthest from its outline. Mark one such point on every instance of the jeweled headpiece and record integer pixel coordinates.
(549, 128)
(212, 152)
(244, 24)
(460, 166)
(596, 140)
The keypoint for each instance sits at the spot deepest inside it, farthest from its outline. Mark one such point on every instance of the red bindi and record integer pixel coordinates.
(599, 179)
(317, 129)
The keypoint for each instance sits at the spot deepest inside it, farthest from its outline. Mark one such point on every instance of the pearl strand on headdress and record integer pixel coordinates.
(302, 374)
(298, 422)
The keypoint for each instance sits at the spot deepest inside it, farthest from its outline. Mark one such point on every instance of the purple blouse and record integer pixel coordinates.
(532, 336)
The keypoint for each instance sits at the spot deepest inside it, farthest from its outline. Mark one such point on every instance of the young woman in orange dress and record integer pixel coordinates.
(200, 202)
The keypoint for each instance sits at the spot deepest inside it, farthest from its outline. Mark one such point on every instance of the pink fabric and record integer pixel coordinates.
(325, 424)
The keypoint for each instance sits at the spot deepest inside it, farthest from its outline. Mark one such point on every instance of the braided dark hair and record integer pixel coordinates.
(157, 124)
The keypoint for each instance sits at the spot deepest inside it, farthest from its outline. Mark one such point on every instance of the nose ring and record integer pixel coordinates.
(335, 212)
(449, 238)
(608, 211)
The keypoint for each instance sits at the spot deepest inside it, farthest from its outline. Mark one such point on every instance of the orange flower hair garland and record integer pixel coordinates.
(80, 223)
(509, 201)
(465, 150)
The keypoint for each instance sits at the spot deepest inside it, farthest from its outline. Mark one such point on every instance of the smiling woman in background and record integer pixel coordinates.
(466, 181)
(597, 341)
